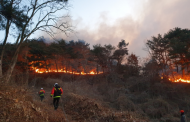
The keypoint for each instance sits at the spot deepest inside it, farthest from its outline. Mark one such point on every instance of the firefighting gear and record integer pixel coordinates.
(41, 93)
(41, 98)
(56, 102)
(182, 111)
(56, 92)
(183, 118)
(55, 84)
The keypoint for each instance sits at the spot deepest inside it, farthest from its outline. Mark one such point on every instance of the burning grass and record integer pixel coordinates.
(79, 71)
(177, 78)
(69, 72)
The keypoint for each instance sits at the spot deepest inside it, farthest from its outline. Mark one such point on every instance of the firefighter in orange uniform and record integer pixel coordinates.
(56, 94)
(41, 93)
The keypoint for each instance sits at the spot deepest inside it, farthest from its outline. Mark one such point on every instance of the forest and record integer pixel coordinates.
(99, 82)
(168, 57)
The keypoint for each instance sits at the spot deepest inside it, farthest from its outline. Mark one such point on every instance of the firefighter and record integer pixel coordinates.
(56, 94)
(183, 118)
(41, 93)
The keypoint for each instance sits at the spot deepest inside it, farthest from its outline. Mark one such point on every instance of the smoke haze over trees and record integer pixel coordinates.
(150, 17)
(171, 51)
(102, 76)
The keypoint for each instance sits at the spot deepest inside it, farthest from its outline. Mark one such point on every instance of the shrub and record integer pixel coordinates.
(156, 108)
(123, 103)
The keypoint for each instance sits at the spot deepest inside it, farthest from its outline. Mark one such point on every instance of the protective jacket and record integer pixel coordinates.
(183, 118)
(41, 93)
(56, 92)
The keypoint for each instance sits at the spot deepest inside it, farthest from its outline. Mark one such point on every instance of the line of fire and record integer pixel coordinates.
(64, 68)
(173, 73)
(177, 77)
(76, 58)
(171, 52)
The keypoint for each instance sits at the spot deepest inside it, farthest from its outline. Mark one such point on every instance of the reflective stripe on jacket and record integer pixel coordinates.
(41, 93)
(55, 93)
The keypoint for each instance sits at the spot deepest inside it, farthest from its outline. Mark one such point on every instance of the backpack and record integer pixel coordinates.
(41, 93)
(58, 90)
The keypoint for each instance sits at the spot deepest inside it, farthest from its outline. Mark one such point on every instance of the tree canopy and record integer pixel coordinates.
(171, 51)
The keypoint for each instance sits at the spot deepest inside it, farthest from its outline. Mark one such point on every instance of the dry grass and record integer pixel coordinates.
(82, 103)
(84, 110)
(156, 108)
(102, 98)
(17, 105)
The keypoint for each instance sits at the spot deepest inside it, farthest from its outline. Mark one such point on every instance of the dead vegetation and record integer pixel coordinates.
(17, 105)
(96, 99)
(22, 103)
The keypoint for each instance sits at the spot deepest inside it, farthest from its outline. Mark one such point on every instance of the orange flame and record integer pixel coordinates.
(181, 80)
(43, 70)
(64, 71)
(176, 78)
(92, 72)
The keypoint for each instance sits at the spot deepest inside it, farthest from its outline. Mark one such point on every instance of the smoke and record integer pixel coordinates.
(156, 17)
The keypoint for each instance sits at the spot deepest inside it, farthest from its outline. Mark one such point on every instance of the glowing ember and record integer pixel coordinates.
(181, 80)
(37, 70)
(64, 71)
(177, 78)
(92, 72)
(47, 67)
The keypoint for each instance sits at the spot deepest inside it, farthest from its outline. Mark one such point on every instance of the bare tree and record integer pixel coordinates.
(42, 16)
(10, 14)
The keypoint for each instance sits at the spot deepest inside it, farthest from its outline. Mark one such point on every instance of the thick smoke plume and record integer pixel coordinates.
(156, 16)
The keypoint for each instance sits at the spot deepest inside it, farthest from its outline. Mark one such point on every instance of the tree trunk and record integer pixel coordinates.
(118, 62)
(111, 67)
(183, 71)
(46, 65)
(1, 73)
(56, 64)
(11, 68)
(66, 67)
(97, 69)
(12, 64)
(187, 68)
(3, 48)
(27, 72)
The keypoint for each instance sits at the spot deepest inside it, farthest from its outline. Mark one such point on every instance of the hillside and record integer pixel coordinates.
(21, 103)
(96, 98)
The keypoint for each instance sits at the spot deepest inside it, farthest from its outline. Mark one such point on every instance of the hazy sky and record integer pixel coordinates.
(109, 21)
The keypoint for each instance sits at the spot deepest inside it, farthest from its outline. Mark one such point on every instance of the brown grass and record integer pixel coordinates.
(96, 98)
(17, 105)
(82, 103)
